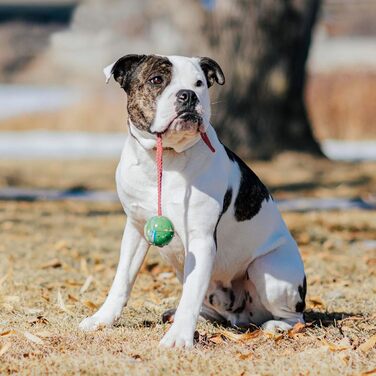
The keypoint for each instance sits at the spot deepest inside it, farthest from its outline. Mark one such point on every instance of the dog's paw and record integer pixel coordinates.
(95, 322)
(177, 337)
(275, 326)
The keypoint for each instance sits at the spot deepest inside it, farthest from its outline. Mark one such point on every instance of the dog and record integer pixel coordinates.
(232, 251)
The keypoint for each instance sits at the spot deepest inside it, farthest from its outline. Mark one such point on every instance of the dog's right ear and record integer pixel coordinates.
(122, 69)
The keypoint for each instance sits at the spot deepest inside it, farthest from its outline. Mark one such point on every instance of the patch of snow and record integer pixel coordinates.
(16, 100)
(60, 145)
(350, 150)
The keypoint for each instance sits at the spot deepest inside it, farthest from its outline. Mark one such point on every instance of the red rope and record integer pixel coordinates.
(159, 160)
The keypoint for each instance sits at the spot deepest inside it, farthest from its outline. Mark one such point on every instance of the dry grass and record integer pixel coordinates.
(49, 250)
(287, 176)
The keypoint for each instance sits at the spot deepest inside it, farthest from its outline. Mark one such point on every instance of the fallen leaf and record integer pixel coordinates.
(73, 298)
(90, 304)
(242, 356)
(7, 333)
(297, 328)
(333, 347)
(33, 338)
(87, 284)
(345, 357)
(216, 338)
(275, 336)
(38, 320)
(316, 302)
(4, 348)
(240, 337)
(370, 372)
(54, 263)
(99, 268)
(137, 357)
(368, 345)
(72, 283)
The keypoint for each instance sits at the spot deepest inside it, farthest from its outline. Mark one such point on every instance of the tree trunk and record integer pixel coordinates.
(263, 47)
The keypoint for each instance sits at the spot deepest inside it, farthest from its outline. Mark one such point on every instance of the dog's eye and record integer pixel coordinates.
(156, 80)
(199, 83)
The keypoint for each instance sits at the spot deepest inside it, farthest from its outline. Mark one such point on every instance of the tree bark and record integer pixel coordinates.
(263, 47)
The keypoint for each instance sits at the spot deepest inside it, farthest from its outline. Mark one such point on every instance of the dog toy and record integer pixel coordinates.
(159, 230)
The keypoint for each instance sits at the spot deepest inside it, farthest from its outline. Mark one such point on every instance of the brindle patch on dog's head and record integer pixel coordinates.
(143, 77)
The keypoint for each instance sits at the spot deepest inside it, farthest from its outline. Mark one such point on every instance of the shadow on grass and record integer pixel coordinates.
(303, 186)
(326, 318)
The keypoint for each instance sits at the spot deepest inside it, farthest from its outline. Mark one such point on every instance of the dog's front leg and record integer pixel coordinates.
(132, 254)
(199, 260)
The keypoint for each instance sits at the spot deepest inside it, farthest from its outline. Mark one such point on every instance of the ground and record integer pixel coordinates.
(59, 258)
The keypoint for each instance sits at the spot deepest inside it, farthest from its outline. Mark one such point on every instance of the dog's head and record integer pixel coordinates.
(167, 95)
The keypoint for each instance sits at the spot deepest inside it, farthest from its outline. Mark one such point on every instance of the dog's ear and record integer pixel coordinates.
(212, 70)
(122, 69)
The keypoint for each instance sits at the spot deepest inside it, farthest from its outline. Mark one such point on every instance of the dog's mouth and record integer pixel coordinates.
(192, 117)
(185, 121)
(189, 122)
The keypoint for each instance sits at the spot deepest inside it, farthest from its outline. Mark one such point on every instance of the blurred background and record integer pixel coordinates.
(299, 105)
(300, 86)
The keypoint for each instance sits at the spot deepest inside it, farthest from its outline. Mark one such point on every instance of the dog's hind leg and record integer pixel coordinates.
(133, 250)
(280, 283)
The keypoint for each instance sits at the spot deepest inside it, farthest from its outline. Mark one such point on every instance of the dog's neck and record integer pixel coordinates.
(178, 143)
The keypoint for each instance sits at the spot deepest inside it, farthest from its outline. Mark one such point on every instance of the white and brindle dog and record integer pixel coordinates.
(232, 251)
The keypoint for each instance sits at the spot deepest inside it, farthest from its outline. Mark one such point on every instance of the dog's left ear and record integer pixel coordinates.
(122, 69)
(213, 72)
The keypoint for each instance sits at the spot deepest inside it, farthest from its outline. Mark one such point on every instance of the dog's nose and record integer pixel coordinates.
(188, 97)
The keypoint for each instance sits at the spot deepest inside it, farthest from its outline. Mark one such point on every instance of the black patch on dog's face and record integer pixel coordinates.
(252, 192)
(226, 203)
(300, 306)
(143, 77)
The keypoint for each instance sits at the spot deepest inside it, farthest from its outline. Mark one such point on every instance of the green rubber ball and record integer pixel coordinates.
(159, 231)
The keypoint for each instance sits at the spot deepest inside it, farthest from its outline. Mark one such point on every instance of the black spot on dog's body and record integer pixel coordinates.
(248, 297)
(232, 300)
(211, 297)
(252, 192)
(241, 308)
(226, 203)
(300, 306)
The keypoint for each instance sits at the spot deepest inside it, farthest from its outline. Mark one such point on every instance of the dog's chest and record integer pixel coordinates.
(137, 187)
